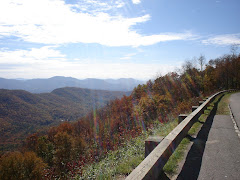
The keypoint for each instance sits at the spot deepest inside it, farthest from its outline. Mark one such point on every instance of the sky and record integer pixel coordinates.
(138, 39)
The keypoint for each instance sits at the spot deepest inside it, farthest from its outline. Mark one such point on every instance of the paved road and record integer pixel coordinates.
(221, 158)
(215, 153)
(235, 106)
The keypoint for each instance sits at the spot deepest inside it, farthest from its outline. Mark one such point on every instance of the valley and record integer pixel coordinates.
(23, 113)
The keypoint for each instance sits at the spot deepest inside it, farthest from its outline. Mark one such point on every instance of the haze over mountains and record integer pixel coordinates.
(23, 113)
(48, 85)
(30, 105)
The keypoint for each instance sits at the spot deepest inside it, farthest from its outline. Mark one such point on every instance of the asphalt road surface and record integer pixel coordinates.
(235, 106)
(215, 153)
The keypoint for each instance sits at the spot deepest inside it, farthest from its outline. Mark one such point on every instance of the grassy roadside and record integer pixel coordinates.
(118, 164)
(223, 105)
(171, 168)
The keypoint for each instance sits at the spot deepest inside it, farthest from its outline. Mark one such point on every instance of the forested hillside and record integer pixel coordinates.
(65, 149)
(23, 113)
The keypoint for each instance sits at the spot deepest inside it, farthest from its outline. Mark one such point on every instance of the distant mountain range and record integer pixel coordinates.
(48, 85)
(23, 113)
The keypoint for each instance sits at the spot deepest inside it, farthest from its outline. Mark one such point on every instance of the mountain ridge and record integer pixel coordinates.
(48, 85)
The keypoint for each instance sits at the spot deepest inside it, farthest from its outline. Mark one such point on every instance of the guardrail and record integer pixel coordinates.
(152, 165)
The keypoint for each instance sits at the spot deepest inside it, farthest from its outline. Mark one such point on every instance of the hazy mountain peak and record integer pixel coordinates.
(48, 85)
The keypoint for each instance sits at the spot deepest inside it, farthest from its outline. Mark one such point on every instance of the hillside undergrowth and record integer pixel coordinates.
(121, 162)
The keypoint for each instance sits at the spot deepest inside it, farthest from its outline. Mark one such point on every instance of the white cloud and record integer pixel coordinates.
(32, 56)
(128, 56)
(227, 39)
(27, 64)
(136, 1)
(94, 6)
(82, 71)
(54, 22)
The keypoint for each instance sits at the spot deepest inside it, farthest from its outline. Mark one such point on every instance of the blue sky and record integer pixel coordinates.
(112, 38)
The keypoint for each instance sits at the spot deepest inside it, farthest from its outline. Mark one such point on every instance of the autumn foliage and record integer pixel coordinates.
(21, 166)
(68, 147)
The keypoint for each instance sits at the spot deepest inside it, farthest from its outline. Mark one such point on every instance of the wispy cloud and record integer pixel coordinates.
(81, 71)
(34, 21)
(32, 56)
(47, 61)
(136, 1)
(227, 39)
(128, 56)
(94, 6)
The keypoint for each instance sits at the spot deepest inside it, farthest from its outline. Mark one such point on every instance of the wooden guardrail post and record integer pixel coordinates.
(151, 142)
(194, 108)
(181, 117)
(200, 103)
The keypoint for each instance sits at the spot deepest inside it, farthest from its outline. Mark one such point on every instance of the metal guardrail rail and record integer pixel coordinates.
(152, 165)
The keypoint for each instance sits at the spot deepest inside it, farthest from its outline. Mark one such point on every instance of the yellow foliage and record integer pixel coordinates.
(18, 166)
